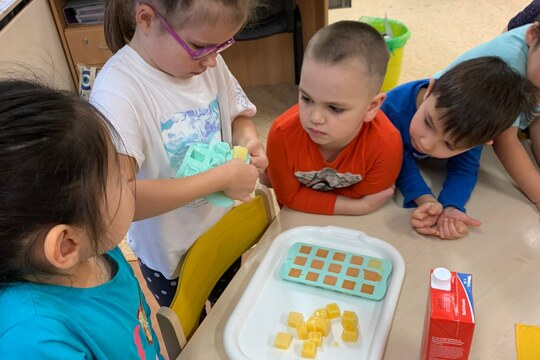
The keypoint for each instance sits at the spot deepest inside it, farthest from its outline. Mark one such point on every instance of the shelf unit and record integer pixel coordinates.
(84, 44)
(257, 62)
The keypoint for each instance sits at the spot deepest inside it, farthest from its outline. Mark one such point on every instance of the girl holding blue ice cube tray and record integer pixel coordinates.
(165, 88)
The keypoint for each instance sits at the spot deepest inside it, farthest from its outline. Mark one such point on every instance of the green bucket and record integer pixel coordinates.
(395, 44)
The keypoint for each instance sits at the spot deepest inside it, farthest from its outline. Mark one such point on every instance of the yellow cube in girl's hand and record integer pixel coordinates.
(240, 152)
(283, 340)
(333, 311)
(294, 318)
(349, 319)
(309, 350)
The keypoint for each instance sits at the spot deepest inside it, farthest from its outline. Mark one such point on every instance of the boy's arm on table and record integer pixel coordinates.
(244, 133)
(154, 197)
(416, 193)
(410, 182)
(364, 205)
(461, 177)
(518, 164)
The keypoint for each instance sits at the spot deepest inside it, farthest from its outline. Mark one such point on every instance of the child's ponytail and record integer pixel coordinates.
(119, 23)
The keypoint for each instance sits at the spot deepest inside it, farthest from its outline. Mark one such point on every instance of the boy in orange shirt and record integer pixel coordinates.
(335, 152)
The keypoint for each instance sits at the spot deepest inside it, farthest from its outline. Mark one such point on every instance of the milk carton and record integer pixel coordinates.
(449, 322)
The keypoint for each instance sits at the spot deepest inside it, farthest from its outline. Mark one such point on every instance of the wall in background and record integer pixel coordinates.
(30, 43)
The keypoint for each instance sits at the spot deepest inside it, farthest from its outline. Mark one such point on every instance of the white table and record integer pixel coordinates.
(503, 256)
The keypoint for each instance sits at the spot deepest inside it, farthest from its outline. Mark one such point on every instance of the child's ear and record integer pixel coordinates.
(144, 17)
(374, 107)
(429, 88)
(489, 142)
(62, 246)
(531, 36)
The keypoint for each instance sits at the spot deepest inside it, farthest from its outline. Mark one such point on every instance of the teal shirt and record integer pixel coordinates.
(110, 321)
(509, 46)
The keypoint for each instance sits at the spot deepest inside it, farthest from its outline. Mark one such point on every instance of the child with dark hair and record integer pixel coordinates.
(66, 291)
(450, 118)
(335, 152)
(520, 49)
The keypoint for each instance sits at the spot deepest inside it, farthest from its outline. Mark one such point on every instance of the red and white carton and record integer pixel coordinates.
(449, 322)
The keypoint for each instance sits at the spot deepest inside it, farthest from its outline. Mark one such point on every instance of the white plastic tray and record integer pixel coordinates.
(263, 308)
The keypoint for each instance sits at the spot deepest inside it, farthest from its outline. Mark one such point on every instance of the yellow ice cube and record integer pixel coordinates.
(283, 340)
(240, 152)
(333, 311)
(310, 323)
(316, 337)
(309, 349)
(349, 334)
(319, 323)
(301, 330)
(349, 319)
(294, 318)
(321, 313)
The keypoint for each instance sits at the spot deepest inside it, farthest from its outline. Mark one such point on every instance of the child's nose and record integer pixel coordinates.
(209, 60)
(316, 117)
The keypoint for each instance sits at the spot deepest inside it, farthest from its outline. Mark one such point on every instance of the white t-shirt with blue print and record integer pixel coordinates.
(158, 117)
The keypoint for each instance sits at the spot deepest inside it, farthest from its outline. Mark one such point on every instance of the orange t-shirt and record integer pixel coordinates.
(303, 180)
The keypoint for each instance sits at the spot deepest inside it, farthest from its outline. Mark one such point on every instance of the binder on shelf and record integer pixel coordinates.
(84, 11)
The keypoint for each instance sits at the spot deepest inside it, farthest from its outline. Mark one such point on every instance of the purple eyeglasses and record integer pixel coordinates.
(195, 54)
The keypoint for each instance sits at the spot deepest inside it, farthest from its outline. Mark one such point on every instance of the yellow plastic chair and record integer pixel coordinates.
(206, 261)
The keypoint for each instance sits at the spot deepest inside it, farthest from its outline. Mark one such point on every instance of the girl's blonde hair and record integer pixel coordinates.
(120, 15)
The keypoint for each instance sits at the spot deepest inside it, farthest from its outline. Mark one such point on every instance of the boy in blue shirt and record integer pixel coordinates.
(451, 118)
(520, 49)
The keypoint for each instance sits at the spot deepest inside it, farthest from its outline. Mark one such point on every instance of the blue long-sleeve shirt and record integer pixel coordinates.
(461, 170)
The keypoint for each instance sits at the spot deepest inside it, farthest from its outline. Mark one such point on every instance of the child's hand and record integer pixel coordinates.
(454, 224)
(424, 218)
(241, 180)
(258, 155)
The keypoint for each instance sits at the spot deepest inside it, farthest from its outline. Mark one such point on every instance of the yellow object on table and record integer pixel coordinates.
(527, 342)
(283, 340)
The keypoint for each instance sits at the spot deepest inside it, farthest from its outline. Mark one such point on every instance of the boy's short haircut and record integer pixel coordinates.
(344, 40)
(480, 98)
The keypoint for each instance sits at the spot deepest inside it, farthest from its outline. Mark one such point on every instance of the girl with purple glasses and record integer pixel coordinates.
(165, 88)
